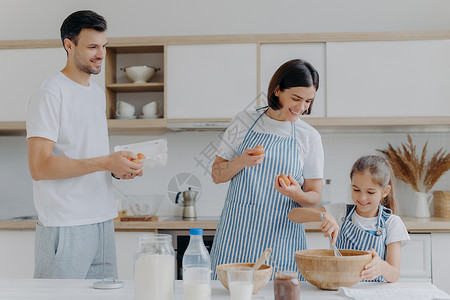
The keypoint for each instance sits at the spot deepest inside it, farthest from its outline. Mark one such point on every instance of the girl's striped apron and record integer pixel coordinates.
(254, 216)
(354, 238)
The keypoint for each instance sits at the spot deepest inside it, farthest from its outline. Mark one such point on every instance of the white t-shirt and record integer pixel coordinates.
(73, 116)
(309, 142)
(395, 229)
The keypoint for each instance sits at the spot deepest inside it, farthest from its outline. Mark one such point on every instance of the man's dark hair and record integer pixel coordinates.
(77, 21)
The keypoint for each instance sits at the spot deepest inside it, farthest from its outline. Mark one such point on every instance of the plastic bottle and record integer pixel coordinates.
(326, 193)
(196, 268)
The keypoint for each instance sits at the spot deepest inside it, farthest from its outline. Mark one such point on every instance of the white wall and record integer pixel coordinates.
(27, 19)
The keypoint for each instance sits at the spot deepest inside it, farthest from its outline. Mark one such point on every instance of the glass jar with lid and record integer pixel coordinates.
(286, 285)
(154, 267)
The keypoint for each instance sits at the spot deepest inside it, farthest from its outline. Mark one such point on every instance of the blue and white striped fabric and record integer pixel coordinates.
(254, 216)
(354, 238)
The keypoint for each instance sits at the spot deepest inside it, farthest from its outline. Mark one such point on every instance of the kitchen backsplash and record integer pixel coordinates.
(194, 152)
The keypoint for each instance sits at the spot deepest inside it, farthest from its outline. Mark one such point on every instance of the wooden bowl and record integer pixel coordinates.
(326, 271)
(262, 276)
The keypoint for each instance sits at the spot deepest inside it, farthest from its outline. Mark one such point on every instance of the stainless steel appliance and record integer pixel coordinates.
(189, 198)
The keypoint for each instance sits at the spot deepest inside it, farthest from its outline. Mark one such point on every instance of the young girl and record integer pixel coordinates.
(369, 224)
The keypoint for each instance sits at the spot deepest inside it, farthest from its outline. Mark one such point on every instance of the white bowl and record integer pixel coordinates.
(140, 74)
(144, 205)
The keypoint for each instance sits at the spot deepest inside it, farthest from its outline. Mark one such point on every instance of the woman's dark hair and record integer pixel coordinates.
(293, 73)
(77, 21)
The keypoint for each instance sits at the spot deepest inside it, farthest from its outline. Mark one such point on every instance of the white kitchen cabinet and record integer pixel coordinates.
(388, 78)
(210, 81)
(440, 248)
(126, 243)
(423, 259)
(26, 70)
(416, 258)
(272, 56)
(17, 253)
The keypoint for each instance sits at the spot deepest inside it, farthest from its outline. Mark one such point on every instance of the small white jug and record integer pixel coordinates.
(423, 205)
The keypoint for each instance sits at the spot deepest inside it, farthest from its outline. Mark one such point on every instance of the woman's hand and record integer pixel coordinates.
(375, 268)
(291, 191)
(247, 159)
(330, 227)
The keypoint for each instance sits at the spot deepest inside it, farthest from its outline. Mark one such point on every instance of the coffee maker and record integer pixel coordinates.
(188, 199)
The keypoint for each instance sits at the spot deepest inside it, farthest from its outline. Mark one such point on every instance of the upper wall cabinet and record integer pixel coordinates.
(387, 79)
(23, 71)
(210, 81)
(121, 88)
(274, 55)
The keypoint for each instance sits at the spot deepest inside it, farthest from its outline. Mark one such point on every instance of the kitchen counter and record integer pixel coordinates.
(414, 225)
(49, 289)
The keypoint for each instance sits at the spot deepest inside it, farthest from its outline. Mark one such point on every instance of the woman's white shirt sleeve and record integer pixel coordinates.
(233, 136)
(314, 160)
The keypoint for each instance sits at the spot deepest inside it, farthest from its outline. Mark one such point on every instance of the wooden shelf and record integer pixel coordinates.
(136, 126)
(378, 122)
(137, 87)
(13, 128)
(146, 126)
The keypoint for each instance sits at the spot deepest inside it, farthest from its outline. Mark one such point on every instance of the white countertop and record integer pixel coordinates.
(61, 289)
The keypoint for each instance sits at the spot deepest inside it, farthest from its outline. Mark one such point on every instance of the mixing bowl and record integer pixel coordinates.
(140, 74)
(144, 205)
(262, 275)
(326, 271)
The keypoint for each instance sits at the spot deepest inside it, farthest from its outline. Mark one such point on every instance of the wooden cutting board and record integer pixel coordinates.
(139, 218)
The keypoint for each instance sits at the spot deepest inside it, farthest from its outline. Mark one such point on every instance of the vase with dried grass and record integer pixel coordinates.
(413, 169)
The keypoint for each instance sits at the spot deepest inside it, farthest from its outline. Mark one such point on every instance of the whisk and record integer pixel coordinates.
(335, 249)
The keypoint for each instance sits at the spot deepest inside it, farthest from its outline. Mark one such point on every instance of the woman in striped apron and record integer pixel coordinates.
(370, 223)
(254, 216)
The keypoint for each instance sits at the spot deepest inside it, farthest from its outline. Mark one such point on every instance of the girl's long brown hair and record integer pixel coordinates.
(382, 174)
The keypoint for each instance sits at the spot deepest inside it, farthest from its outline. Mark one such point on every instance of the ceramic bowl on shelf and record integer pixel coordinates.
(140, 74)
(321, 268)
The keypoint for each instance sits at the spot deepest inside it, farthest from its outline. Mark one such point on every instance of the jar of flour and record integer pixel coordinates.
(154, 268)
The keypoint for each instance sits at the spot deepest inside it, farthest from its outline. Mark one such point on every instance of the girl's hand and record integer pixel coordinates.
(287, 190)
(375, 268)
(249, 160)
(330, 227)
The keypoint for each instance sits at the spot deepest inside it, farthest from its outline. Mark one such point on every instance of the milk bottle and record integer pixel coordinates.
(196, 268)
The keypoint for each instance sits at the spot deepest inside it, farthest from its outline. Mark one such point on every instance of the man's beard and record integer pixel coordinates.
(87, 68)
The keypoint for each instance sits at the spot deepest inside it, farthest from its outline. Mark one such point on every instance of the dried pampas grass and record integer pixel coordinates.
(412, 169)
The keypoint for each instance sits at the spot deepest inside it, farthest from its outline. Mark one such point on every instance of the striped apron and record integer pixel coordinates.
(354, 238)
(254, 216)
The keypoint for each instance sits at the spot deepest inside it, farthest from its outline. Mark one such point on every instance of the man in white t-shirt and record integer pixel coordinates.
(70, 163)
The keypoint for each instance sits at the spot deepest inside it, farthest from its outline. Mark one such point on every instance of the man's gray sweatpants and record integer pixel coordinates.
(75, 251)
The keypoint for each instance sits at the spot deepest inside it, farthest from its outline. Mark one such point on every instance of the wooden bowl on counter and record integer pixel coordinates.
(262, 275)
(321, 268)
